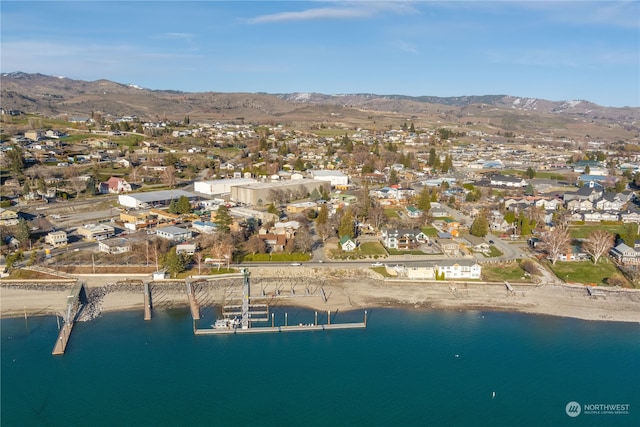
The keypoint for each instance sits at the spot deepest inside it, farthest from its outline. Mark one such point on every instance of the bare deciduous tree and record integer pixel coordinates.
(198, 256)
(555, 242)
(169, 176)
(598, 243)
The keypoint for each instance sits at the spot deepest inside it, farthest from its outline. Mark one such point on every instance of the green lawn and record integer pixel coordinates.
(586, 272)
(278, 256)
(506, 271)
(391, 213)
(430, 231)
(583, 231)
(372, 248)
(494, 252)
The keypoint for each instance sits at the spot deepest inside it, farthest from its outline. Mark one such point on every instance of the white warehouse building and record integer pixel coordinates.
(334, 177)
(220, 186)
(153, 198)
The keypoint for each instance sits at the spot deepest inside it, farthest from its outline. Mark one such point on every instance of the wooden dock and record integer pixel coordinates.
(63, 339)
(73, 306)
(147, 301)
(193, 303)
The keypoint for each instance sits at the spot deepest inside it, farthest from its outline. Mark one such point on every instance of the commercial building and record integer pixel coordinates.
(154, 198)
(263, 193)
(220, 186)
(335, 178)
(56, 238)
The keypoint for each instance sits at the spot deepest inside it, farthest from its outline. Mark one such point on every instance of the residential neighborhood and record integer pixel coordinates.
(433, 205)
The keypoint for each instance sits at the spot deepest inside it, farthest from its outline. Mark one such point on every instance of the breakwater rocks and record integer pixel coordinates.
(93, 305)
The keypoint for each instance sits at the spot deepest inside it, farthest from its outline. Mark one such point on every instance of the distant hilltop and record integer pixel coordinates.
(55, 95)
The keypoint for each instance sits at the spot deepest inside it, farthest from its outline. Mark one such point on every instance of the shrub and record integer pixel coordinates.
(529, 266)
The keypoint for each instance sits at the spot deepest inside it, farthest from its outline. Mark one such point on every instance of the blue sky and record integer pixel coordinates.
(551, 50)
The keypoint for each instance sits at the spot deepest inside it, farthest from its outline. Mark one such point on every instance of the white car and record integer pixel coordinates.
(296, 264)
(377, 264)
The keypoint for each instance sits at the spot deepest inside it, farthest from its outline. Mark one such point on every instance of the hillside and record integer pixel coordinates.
(58, 96)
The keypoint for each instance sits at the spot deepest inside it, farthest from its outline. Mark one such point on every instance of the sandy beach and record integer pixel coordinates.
(343, 290)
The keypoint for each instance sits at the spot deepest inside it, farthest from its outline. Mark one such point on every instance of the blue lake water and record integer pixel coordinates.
(409, 367)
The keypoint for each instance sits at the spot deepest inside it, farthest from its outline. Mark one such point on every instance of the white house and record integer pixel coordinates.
(173, 233)
(460, 269)
(625, 254)
(116, 245)
(347, 244)
(454, 269)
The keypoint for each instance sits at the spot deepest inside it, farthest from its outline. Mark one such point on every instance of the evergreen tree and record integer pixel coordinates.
(480, 226)
(529, 191)
(315, 195)
(174, 262)
(448, 163)
(432, 157)
(525, 224)
(412, 129)
(173, 208)
(393, 177)
(92, 186)
(184, 205)
(23, 232)
(424, 200)
(15, 160)
(530, 173)
(346, 224)
(223, 219)
(299, 164)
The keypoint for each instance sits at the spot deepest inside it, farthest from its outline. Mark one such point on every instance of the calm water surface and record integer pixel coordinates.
(407, 368)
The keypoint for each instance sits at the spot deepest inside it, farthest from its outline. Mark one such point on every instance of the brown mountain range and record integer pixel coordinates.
(58, 96)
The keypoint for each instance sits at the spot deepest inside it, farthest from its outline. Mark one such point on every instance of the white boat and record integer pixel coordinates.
(227, 323)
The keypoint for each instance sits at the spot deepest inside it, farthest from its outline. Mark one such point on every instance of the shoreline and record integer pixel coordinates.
(345, 293)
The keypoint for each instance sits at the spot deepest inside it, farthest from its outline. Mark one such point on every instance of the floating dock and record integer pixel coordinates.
(267, 329)
(73, 306)
(285, 328)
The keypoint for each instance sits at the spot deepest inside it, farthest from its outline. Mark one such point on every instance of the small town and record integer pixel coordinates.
(176, 199)
(320, 213)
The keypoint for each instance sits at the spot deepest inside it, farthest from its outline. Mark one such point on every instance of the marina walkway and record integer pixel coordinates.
(73, 307)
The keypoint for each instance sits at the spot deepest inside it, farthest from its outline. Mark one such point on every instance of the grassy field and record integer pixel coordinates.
(279, 257)
(372, 248)
(505, 271)
(391, 213)
(429, 231)
(583, 231)
(586, 272)
(366, 250)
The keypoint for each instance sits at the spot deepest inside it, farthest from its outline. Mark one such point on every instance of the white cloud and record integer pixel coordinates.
(342, 10)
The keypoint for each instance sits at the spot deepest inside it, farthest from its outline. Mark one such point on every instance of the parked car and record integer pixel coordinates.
(377, 264)
(296, 264)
